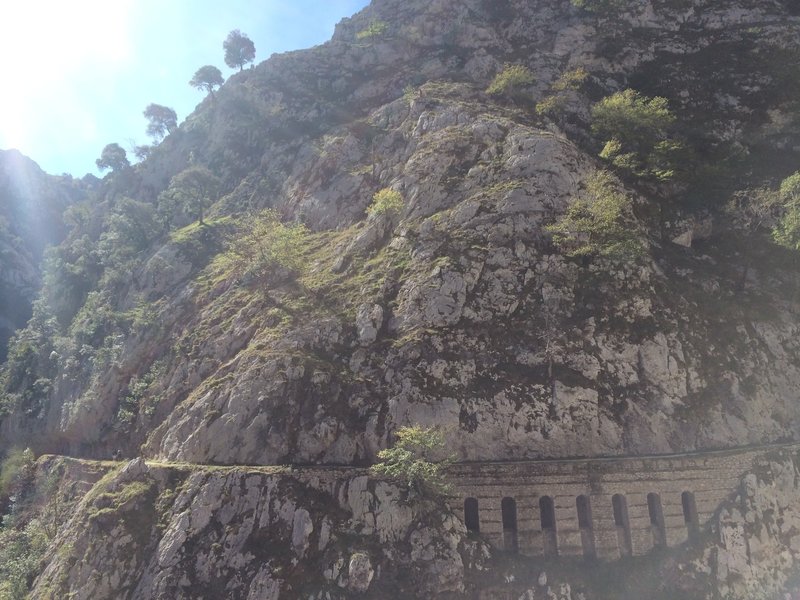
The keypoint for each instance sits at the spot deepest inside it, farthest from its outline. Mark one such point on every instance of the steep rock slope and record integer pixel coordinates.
(458, 311)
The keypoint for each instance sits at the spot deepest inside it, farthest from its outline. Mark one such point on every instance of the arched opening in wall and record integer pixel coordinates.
(471, 516)
(690, 514)
(547, 517)
(656, 520)
(623, 524)
(508, 508)
(584, 508)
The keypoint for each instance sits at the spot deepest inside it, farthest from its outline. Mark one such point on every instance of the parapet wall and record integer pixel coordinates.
(661, 500)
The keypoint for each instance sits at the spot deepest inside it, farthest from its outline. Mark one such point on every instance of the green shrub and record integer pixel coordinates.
(386, 202)
(266, 246)
(509, 81)
(414, 461)
(409, 93)
(554, 103)
(570, 80)
(551, 105)
(141, 399)
(635, 131)
(632, 117)
(374, 30)
(599, 224)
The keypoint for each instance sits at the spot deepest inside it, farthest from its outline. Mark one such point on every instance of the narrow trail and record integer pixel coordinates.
(699, 454)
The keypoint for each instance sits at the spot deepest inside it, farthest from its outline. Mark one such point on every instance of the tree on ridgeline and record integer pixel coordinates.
(113, 157)
(161, 120)
(239, 49)
(207, 78)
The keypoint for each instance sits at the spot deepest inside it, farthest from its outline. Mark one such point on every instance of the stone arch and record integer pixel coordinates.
(584, 507)
(619, 504)
(508, 509)
(547, 517)
(690, 514)
(471, 515)
(656, 513)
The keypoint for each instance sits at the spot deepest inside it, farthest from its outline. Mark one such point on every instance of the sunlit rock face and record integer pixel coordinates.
(458, 311)
(31, 209)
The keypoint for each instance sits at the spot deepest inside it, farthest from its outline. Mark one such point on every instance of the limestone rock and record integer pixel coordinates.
(369, 321)
(359, 572)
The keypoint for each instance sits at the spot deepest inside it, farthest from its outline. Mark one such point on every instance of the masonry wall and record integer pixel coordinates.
(709, 478)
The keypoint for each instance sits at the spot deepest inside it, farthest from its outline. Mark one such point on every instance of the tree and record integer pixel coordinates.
(207, 78)
(635, 130)
(415, 461)
(130, 227)
(113, 157)
(239, 49)
(162, 120)
(141, 152)
(600, 223)
(192, 190)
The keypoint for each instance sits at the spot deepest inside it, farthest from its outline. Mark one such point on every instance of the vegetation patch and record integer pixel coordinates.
(386, 202)
(511, 81)
(416, 461)
(636, 132)
(599, 224)
(265, 247)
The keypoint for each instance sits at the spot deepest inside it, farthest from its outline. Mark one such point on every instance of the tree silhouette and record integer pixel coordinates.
(207, 78)
(113, 157)
(239, 49)
(162, 120)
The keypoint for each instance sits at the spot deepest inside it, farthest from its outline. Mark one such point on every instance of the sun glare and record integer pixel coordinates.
(47, 47)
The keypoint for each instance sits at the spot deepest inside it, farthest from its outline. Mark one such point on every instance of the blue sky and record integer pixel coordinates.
(78, 74)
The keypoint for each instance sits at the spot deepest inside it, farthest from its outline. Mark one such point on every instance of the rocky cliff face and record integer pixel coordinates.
(253, 534)
(456, 311)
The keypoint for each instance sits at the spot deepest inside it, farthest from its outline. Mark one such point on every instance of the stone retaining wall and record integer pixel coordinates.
(661, 500)
(688, 488)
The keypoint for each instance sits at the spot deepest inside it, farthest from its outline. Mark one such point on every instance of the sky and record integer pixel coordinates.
(79, 73)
